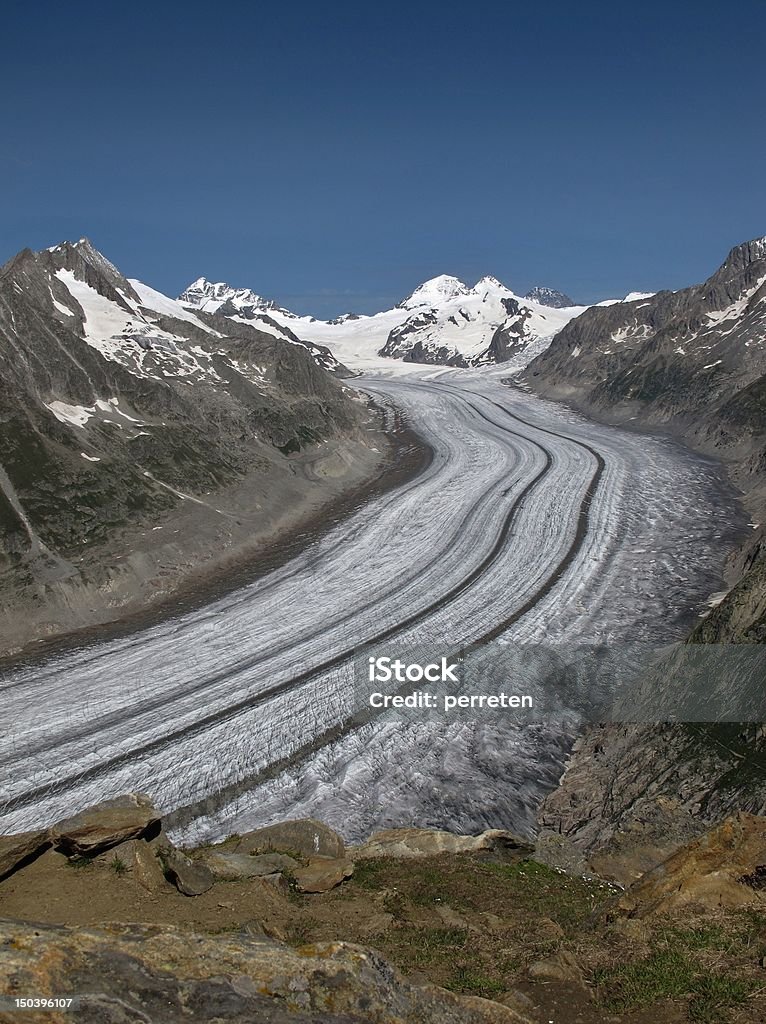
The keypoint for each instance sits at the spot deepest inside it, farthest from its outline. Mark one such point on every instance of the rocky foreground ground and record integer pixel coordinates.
(287, 925)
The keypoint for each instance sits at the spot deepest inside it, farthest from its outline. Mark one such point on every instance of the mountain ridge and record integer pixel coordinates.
(108, 390)
(443, 321)
(692, 362)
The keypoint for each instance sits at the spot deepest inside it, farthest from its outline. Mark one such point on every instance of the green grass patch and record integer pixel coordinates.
(704, 937)
(80, 863)
(367, 873)
(468, 981)
(667, 974)
(714, 994)
(673, 972)
(118, 865)
(542, 892)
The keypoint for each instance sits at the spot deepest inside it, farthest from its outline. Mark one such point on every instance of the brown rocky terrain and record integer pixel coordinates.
(288, 925)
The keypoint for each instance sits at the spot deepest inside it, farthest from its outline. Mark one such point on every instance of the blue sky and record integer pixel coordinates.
(333, 156)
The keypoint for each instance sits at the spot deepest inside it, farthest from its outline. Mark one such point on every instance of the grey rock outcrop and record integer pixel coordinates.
(549, 297)
(136, 972)
(322, 874)
(229, 867)
(424, 842)
(190, 877)
(19, 849)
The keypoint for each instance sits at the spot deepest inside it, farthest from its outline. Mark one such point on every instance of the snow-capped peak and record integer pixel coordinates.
(435, 292)
(489, 284)
(209, 296)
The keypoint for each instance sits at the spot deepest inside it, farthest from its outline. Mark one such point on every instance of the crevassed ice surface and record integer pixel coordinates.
(187, 710)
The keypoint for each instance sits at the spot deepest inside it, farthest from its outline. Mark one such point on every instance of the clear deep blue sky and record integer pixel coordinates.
(335, 155)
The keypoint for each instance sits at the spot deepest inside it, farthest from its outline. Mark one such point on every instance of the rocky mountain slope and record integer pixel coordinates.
(693, 361)
(120, 408)
(243, 306)
(549, 297)
(444, 322)
(286, 924)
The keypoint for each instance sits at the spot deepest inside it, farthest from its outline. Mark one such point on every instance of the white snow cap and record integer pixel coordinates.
(489, 284)
(210, 295)
(435, 291)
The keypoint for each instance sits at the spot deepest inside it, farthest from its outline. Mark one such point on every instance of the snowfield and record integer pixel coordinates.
(530, 525)
(446, 317)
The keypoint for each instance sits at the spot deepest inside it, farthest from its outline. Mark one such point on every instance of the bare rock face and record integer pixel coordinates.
(135, 972)
(424, 842)
(633, 794)
(16, 850)
(305, 837)
(99, 828)
(720, 869)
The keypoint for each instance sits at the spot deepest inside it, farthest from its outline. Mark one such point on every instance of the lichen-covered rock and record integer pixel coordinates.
(135, 972)
(16, 850)
(305, 837)
(426, 842)
(99, 828)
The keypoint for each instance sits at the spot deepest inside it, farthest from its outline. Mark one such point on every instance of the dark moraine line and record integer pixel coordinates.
(163, 700)
(62, 785)
(182, 816)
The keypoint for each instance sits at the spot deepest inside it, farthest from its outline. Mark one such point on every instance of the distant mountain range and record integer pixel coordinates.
(444, 322)
(119, 403)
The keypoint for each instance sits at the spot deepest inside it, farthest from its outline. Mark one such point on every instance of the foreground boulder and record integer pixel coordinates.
(322, 874)
(17, 850)
(426, 842)
(304, 837)
(190, 877)
(720, 869)
(101, 827)
(155, 973)
(232, 867)
(141, 860)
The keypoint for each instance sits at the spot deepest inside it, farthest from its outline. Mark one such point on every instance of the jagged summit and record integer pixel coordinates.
(742, 256)
(545, 296)
(84, 261)
(209, 296)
